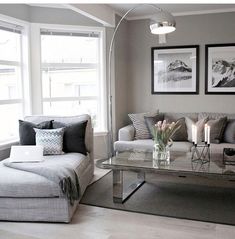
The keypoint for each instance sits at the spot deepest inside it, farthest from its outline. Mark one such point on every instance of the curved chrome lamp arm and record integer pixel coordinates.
(110, 126)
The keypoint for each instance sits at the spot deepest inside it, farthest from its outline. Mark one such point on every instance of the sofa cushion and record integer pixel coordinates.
(74, 136)
(200, 128)
(150, 121)
(217, 127)
(21, 184)
(147, 146)
(68, 120)
(27, 133)
(229, 132)
(51, 140)
(141, 131)
(181, 134)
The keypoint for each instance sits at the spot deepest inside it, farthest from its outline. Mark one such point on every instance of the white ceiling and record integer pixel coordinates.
(175, 9)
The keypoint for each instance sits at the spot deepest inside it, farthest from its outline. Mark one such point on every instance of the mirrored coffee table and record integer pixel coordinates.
(142, 162)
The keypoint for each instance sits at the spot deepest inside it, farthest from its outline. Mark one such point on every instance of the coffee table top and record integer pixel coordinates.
(181, 163)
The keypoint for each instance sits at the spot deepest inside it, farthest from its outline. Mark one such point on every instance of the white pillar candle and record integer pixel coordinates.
(195, 134)
(208, 134)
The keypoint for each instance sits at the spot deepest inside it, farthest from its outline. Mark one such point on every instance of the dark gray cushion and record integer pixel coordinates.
(27, 133)
(229, 132)
(181, 134)
(74, 137)
(150, 121)
(217, 127)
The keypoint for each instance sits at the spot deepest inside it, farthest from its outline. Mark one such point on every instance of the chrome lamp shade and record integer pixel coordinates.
(162, 23)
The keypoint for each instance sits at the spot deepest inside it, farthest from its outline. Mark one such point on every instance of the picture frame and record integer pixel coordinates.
(220, 69)
(175, 69)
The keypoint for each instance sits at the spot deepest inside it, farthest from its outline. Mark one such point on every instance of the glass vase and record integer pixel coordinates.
(161, 155)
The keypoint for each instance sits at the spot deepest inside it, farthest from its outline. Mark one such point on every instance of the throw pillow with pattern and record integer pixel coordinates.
(141, 130)
(51, 140)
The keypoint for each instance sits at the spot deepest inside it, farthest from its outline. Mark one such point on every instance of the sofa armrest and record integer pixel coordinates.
(126, 133)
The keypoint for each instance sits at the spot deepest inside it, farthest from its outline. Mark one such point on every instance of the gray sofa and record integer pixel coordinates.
(127, 142)
(25, 196)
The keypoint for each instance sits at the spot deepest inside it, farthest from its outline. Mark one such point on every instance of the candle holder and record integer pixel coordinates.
(201, 153)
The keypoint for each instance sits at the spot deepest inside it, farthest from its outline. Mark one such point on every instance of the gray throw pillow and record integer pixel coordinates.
(217, 127)
(229, 132)
(51, 140)
(150, 121)
(27, 133)
(141, 131)
(181, 134)
(74, 136)
(200, 128)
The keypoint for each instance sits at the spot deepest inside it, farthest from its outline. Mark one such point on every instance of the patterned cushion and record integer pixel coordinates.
(51, 140)
(141, 131)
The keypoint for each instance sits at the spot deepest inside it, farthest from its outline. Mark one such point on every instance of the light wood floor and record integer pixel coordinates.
(99, 223)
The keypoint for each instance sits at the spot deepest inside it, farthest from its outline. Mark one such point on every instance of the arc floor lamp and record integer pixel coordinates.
(160, 23)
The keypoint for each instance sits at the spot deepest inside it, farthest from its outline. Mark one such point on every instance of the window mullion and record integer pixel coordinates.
(55, 99)
(12, 101)
(10, 63)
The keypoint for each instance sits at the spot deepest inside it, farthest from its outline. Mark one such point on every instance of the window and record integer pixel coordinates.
(72, 74)
(11, 93)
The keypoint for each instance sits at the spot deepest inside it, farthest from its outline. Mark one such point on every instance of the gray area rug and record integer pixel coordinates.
(187, 201)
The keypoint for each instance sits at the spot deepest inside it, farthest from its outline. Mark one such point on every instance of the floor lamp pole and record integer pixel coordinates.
(110, 121)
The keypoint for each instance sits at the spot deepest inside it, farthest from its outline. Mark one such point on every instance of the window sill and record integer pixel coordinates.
(101, 133)
(8, 144)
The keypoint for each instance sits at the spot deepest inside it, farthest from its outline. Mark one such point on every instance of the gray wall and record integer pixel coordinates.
(197, 29)
(121, 74)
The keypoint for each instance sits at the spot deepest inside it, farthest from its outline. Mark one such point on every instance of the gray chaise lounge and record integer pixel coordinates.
(25, 196)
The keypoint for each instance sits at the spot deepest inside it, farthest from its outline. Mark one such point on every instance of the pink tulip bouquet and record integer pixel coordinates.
(162, 133)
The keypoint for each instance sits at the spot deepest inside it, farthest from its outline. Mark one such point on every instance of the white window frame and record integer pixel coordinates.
(24, 64)
(37, 71)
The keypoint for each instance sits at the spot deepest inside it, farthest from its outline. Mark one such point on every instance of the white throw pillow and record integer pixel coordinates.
(200, 128)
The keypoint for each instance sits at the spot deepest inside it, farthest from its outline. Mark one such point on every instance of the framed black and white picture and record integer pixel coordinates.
(175, 69)
(220, 69)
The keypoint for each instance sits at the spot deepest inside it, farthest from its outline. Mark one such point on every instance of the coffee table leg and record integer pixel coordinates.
(119, 195)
